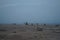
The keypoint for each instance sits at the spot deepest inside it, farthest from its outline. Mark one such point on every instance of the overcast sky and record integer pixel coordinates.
(32, 11)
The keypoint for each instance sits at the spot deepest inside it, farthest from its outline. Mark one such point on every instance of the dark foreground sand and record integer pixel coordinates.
(29, 32)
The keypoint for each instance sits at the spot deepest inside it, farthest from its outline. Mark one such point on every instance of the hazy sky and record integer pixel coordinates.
(32, 11)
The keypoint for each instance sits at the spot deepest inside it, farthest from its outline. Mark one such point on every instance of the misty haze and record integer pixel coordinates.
(29, 19)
